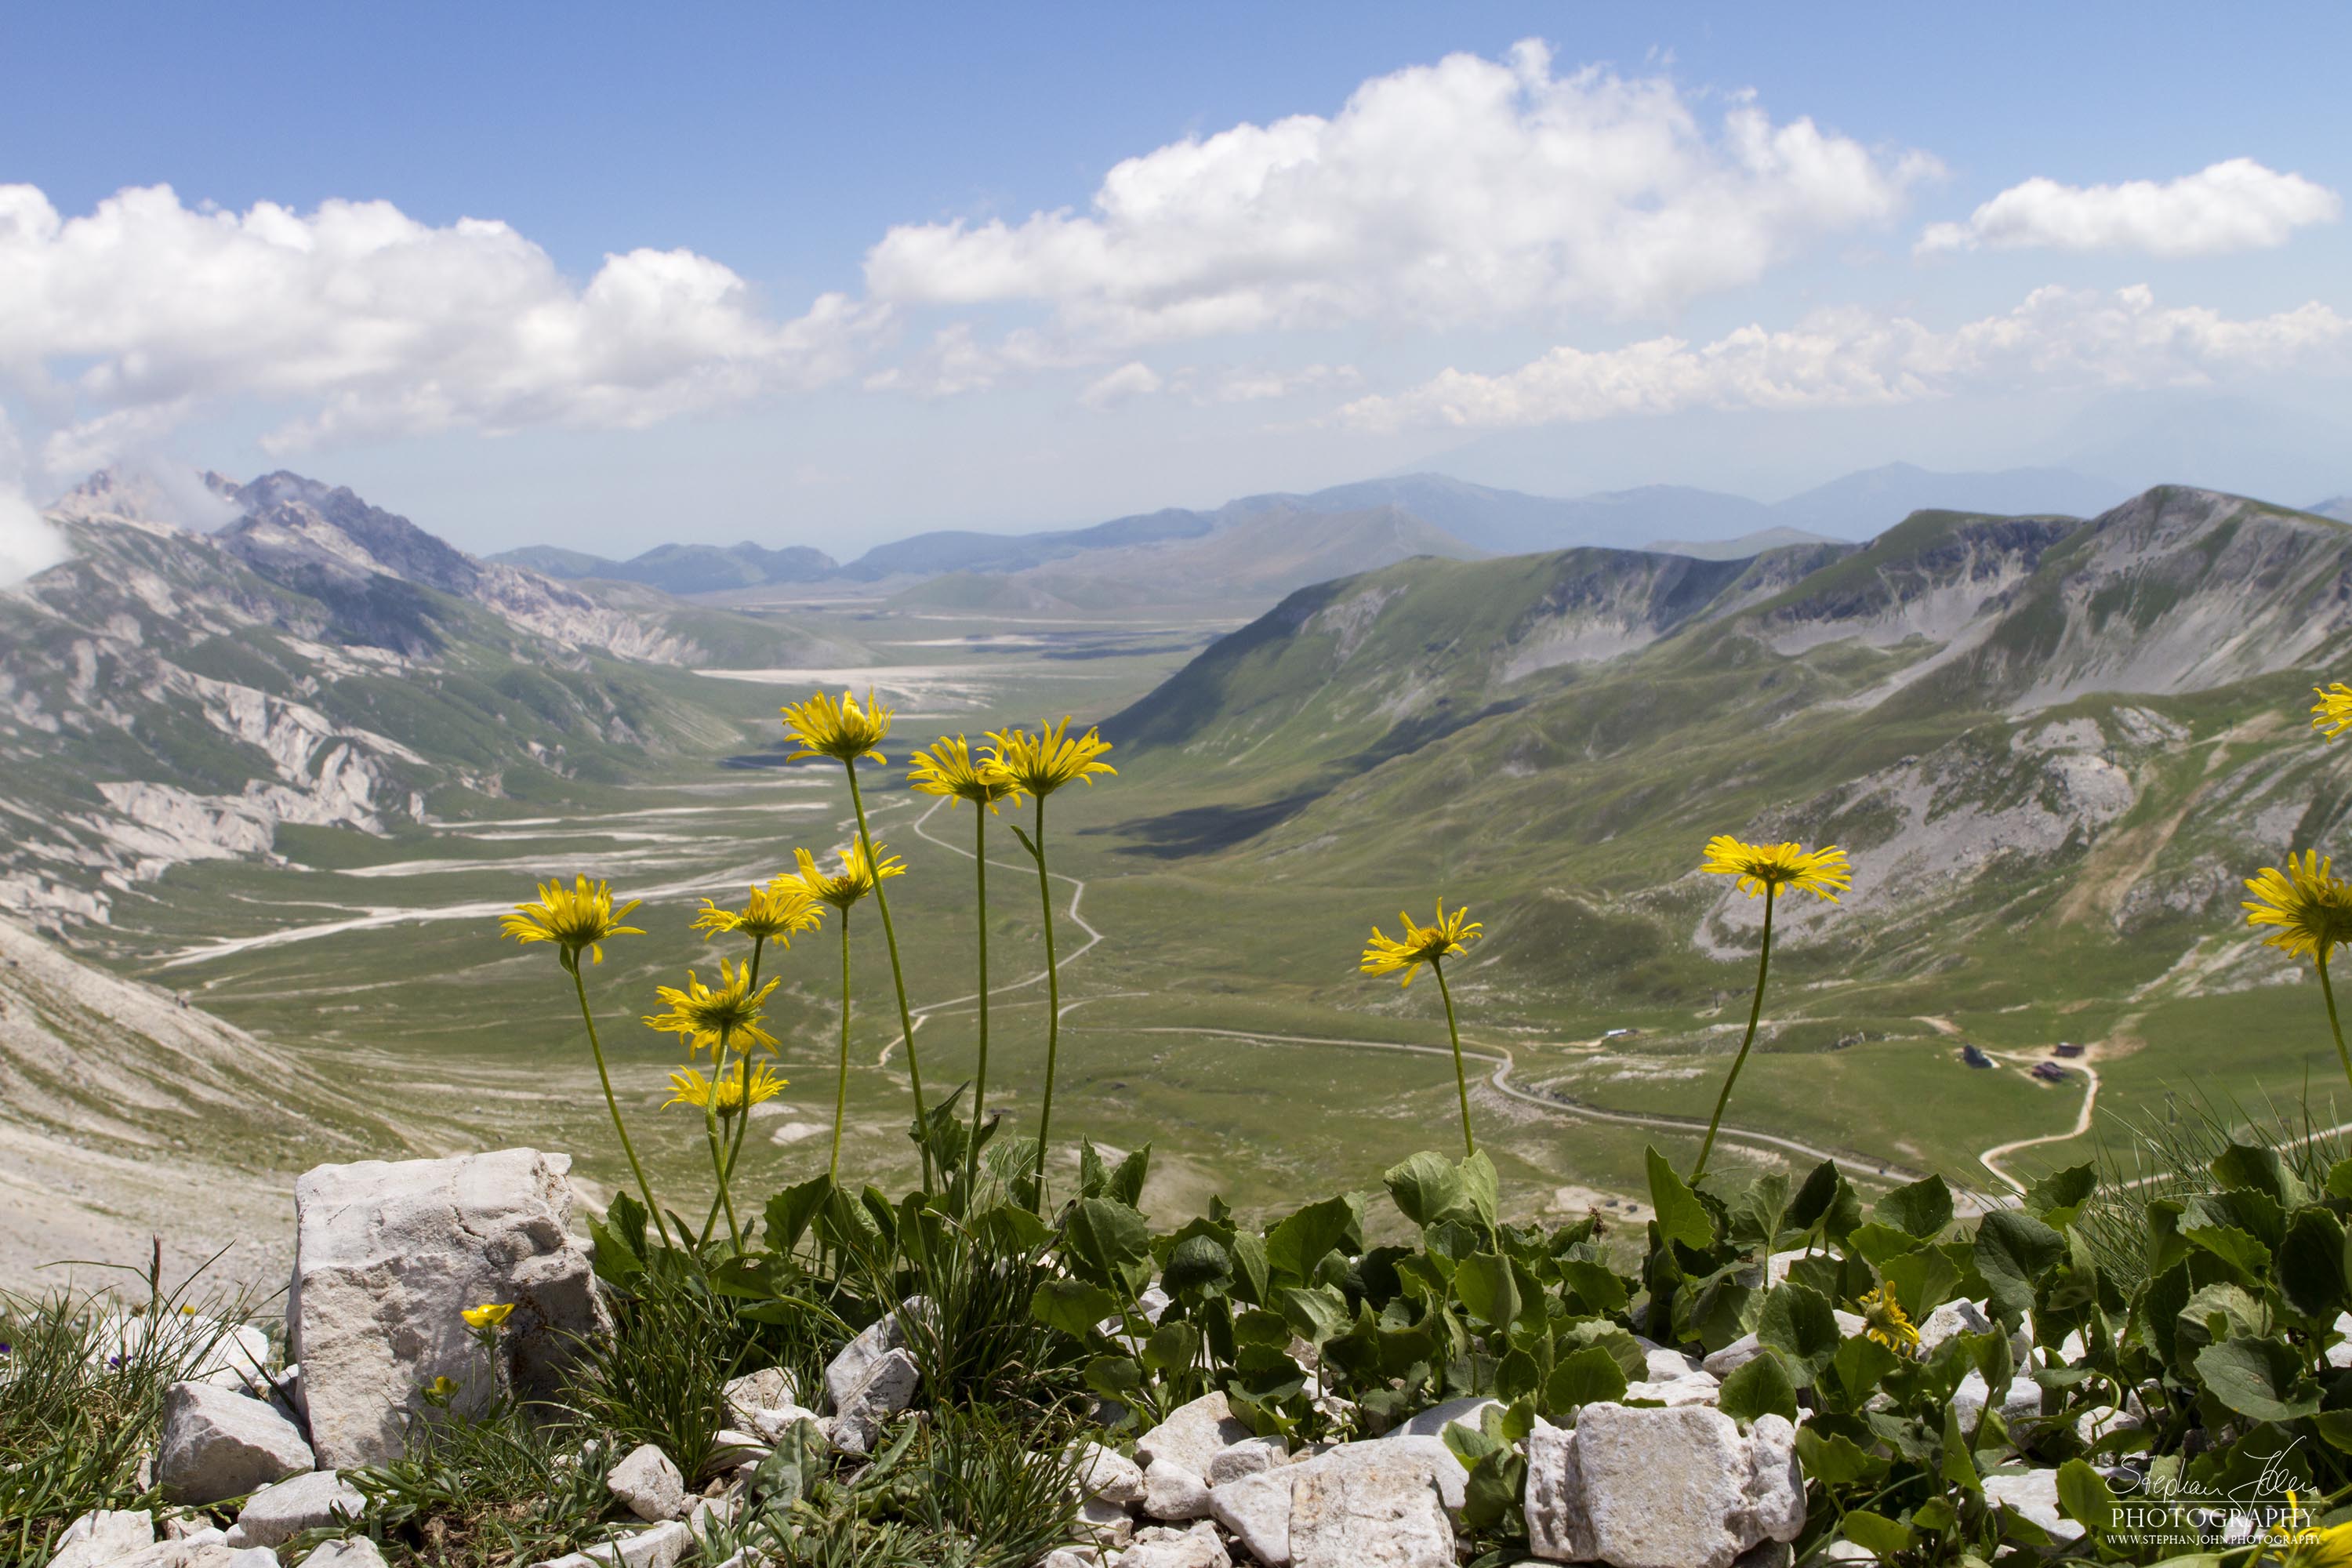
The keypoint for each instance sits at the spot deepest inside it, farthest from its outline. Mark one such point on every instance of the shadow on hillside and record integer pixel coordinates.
(1204, 829)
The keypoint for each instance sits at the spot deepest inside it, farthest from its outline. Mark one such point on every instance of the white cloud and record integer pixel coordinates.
(2234, 205)
(1468, 191)
(1131, 380)
(373, 323)
(1844, 357)
(29, 543)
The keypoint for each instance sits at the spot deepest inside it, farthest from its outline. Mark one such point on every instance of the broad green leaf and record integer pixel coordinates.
(1125, 1185)
(1921, 1209)
(1199, 1263)
(1623, 1347)
(2258, 1377)
(2054, 1199)
(1586, 1376)
(2336, 1428)
(1858, 1366)
(1496, 1484)
(2256, 1167)
(1874, 1242)
(1108, 1245)
(1115, 1377)
(1799, 1323)
(1681, 1216)
(1172, 1347)
(2311, 1265)
(1484, 1284)
(2340, 1180)
(1482, 1187)
(1922, 1281)
(2212, 1314)
(1596, 1284)
(1426, 1187)
(2245, 1255)
(1314, 1312)
(1960, 1465)
(1760, 1387)
(1834, 1459)
(1295, 1246)
(1875, 1533)
(1072, 1306)
(1012, 1229)
(1251, 1271)
(2085, 1497)
(2013, 1252)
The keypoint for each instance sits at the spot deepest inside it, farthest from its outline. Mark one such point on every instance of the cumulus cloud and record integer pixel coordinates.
(373, 323)
(1465, 192)
(29, 543)
(2234, 205)
(1132, 380)
(1845, 357)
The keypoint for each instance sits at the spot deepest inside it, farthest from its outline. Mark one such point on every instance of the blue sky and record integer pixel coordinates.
(1573, 260)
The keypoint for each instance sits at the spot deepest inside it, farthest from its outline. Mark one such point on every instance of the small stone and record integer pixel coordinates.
(355, 1551)
(96, 1539)
(857, 1360)
(887, 1388)
(1434, 1421)
(198, 1554)
(770, 1388)
(1192, 1435)
(659, 1546)
(1691, 1388)
(1665, 1364)
(2034, 1495)
(1950, 1319)
(1256, 1510)
(1104, 1523)
(647, 1483)
(1173, 1492)
(741, 1447)
(1246, 1457)
(217, 1444)
(770, 1425)
(281, 1512)
(2021, 1402)
(1733, 1356)
(1159, 1547)
(1106, 1475)
(1072, 1557)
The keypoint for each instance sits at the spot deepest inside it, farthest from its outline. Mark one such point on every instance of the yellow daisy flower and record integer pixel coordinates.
(1421, 944)
(1823, 872)
(2310, 904)
(845, 730)
(575, 918)
(728, 1015)
(690, 1088)
(1885, 1321)
(2332, 714)
(853, 881)
(1041, 763)
(772, 913)
(947, 769)
(488, 1315)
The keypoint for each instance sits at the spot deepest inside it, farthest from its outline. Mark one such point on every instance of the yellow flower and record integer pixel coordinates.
(1885, 1321)
(488, 1315)
(1421, 944)
(2313, 1547)
(843, 729)
(774, 913)
(2309, 901)
(853, 881)
(726, 1015)
(1823, 872)
(1042, 764)
(948, 769)
(2333, 712)
(577, 918)
(440, 1391)
(690, 1088)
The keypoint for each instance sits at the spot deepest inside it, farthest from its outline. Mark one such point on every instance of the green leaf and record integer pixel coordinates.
(2336, 1429)
(1426, 1187)
(2085, 1497)
(1482, 1187)
(2261, 1378)
(2013, 1251)
(1252, 1270)
(2311, 1264)
(1033, 854)
(1199, 1263)
(2054, 1199)
(1681, 1216)
(1072, 1306)
(1011, 1228)
(1597, 1285)
(1115, 1377)
(1484, 1284)
(1760, 1387)
(2340, 1180)
(1496, 1484)
(2256, 1167)
(1858, 1366)
(1800, 1323)
(1922, 1281)
(1874, 1242)
(1960, 1465)
(1295, 1246)
(2246, 1257)
(1172, 1347)
(1921, 1209)
(1587, 1376)
(1126, 1183)
(1834, 1459)
(1875, 1533)
(1314, 1312)
(1107, 1244)
(1623, 1347)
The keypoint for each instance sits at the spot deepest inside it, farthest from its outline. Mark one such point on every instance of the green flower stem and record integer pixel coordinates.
(897, 974)
(980, 1078)
(1755, 1011)
(2329, 991)
(841, 1084)
(596, 1046)
(1053, 1006)
(711, 1136)
(1461, 1083)
(743, 1125)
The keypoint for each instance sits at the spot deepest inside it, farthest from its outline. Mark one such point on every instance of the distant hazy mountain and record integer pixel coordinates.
(2340, 509)
(1874, 500)
(681, 568)
(1740, 549)
(958, 550)
(2249, 445)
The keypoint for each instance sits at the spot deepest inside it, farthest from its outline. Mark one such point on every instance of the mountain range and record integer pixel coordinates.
(168, 694)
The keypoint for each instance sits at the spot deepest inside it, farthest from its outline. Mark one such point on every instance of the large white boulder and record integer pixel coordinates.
(219, 1444)
(96, 1539)
(279, 1513)
(357, 1552)
(1176, 1455)
(1343, 1501)
(1680, 1487)
(648, 1484)
(388, 1254)
(198, 1554)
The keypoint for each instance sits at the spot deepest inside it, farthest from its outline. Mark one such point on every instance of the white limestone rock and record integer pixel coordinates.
(1246, 1457)
(1691, 1388)
(1369, 1505)
(1163, 1548)
(1950, 1319)
(1722, 1364)
(857, 1358)
(2021, 1402)
(659, 1546)
(887, 1387)
(1174, 1493)
(1107, 1524)
(1072, 1557)
(280, 1512)
(1432, 1421)
(198, 1554)
(1679, 1488)
(648, 1484)
(2034, 1495)
(96, 1539)
(217, 1444)
(1192, 1435)
(1106, 1475)
(387, 1254)
(356, 1551)
(770, 1388)
(1262, 1510)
